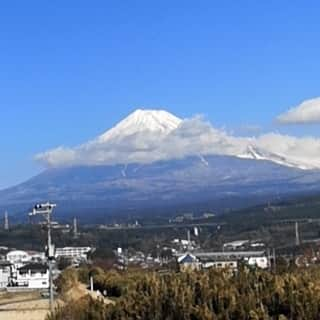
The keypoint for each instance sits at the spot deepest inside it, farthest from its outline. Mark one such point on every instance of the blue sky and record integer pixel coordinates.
(71, 69)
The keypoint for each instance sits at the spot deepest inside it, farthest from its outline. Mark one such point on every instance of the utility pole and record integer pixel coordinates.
(91, 283)
(297, 234)
(75, 228)
(46, 210)
(189, 240)
(269, 259)
(6, 221)
(274, 260)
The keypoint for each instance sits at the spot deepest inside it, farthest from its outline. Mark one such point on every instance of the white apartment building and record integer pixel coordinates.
(73, 252)
(19, 258)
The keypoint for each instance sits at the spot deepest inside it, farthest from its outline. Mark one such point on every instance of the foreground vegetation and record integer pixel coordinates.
(205, 295)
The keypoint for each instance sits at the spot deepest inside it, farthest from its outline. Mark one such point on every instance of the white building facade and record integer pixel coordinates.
(32, 276)
(5, 274)
(73, 252)
(260, 262)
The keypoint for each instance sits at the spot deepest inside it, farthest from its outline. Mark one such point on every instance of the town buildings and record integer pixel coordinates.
(231, 260)
(29, 269)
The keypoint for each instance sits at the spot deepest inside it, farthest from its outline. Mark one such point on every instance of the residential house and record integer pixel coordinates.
(32, 276)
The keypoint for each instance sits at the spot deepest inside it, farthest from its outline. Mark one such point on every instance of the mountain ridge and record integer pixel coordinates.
(224, 181)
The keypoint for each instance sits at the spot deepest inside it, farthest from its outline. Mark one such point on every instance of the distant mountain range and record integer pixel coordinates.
(92, 178)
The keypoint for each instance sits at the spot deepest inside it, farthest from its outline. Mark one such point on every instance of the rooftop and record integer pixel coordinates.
(35, 267)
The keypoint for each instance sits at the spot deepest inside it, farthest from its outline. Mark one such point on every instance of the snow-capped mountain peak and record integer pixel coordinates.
(143, 120)
(147, 136)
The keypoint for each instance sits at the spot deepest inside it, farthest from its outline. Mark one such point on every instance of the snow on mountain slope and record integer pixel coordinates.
(255, 153)
(155, 121)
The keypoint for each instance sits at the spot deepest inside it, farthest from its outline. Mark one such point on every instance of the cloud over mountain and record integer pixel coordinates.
(307, 112)
(150, 135)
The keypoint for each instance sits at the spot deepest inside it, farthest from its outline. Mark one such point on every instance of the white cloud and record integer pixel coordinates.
(192, 137)
(304, 151)
(60, 156)
(307, 112)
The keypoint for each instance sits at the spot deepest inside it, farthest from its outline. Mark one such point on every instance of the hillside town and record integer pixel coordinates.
(32, 270)
(29, 269)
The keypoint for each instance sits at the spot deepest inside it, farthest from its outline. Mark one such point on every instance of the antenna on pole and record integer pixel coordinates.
(6, 221)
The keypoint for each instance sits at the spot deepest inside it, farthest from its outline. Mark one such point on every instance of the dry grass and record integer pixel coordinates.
(30, 306)
(23, 306)
(79, 291)
(24, 315)
(10, 297)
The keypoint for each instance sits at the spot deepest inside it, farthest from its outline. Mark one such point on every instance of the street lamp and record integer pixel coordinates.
(46, 209)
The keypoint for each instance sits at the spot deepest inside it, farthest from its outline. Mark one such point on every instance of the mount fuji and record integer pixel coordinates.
(143, 121)
(146, 136)
(152, 159)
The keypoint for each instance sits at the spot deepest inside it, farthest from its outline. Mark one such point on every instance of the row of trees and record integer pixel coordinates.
(205, 295)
